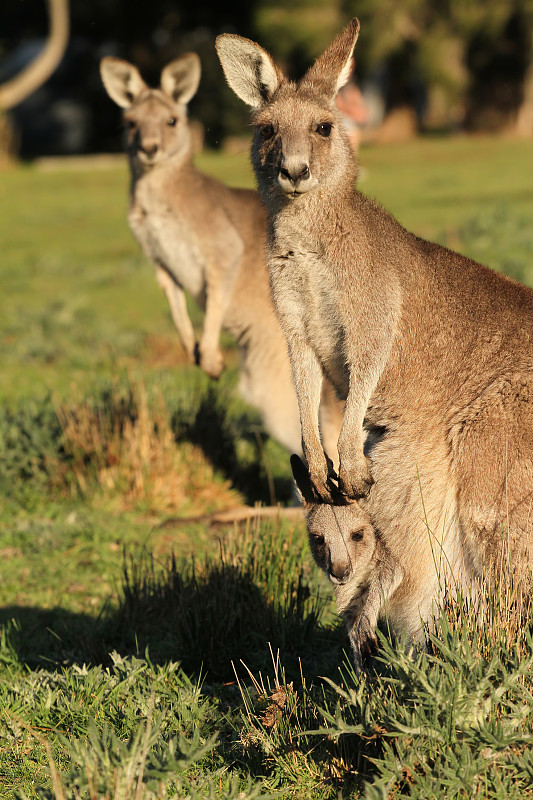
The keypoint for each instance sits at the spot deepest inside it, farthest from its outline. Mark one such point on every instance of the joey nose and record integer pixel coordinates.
(339, 572)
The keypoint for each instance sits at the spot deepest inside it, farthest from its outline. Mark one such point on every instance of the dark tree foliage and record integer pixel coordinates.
(458, 63)
(148, 33)
(473, 59)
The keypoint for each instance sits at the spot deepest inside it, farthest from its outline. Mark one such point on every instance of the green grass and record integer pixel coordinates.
(140, 649)
(473, 195)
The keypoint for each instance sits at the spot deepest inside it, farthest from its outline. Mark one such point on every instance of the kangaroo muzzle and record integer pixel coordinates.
(294, 176)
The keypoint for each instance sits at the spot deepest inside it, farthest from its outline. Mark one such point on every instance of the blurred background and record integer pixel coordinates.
(422, 65)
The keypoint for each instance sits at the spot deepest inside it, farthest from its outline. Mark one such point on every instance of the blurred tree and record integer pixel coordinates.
(149, 34)
(456, 62)
(296, 32)
(471, 56)
(34, 74)
(12, 92)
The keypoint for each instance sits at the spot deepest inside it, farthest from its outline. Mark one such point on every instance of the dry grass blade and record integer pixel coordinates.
(56, 779)
(131, 453)
(501, 602)
(146, 744)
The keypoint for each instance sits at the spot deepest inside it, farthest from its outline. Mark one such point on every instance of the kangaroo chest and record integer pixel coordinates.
(306, 302)
(167, 238)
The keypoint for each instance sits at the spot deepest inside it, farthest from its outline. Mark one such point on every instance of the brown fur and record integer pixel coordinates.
(430, 350)
(208, 240)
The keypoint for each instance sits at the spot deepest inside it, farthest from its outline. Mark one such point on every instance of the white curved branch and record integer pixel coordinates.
(39, 70)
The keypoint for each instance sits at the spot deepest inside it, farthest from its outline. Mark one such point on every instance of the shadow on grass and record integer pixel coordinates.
(52, 638)
(252, 596)
(251, 602)
(39, 448)
(208, 621)
(234, 444)
(211, 619)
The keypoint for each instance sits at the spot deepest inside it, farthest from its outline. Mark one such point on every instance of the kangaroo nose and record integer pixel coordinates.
(149, 149)
(295, 174)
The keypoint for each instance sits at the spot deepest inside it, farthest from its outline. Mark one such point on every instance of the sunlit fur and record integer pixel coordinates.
(430, 348)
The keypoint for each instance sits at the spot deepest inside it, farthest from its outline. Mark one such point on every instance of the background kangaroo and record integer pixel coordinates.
(429, 349)
(208, 240)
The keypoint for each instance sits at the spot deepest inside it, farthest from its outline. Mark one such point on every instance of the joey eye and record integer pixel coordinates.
(324, 129)
(267, 131)
(171, 121)
(130, 124)
(356, 536)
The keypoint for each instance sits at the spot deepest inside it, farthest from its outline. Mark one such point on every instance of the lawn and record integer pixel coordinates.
(143, 650)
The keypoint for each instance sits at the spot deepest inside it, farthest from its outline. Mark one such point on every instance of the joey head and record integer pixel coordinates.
(346, 546)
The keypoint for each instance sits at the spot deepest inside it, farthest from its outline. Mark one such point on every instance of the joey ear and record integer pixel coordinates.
(249, 69)
(180, 78)
(302, 479)
(334, 67)
(122, 80)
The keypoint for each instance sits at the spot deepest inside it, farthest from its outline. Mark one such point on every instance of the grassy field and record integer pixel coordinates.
(145, 654)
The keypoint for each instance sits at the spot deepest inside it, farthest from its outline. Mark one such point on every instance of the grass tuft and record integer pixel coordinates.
(253, 589)
(127, 447)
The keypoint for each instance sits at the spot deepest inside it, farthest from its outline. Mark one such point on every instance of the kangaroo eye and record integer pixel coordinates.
(317, 539)
(324, 129)
(171, 121)
(267, 131)
(357, 535)
(131, 124)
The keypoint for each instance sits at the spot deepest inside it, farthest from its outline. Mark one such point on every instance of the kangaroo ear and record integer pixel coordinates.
(122, 81)
(180, 78)
(249, 69)
(303, 481)
(334, 67)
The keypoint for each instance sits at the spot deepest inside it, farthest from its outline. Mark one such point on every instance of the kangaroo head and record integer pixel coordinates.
(155, 119)
(341, 535)
(299, 144)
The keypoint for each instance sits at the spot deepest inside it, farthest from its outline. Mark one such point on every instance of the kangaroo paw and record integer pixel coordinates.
(356, 481)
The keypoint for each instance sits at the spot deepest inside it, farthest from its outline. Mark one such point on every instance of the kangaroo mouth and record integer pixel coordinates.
(146, 160)
(292, 194)
(297, 189)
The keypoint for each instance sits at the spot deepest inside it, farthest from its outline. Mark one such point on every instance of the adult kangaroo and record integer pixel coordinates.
(208, 240)
(432, 352)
